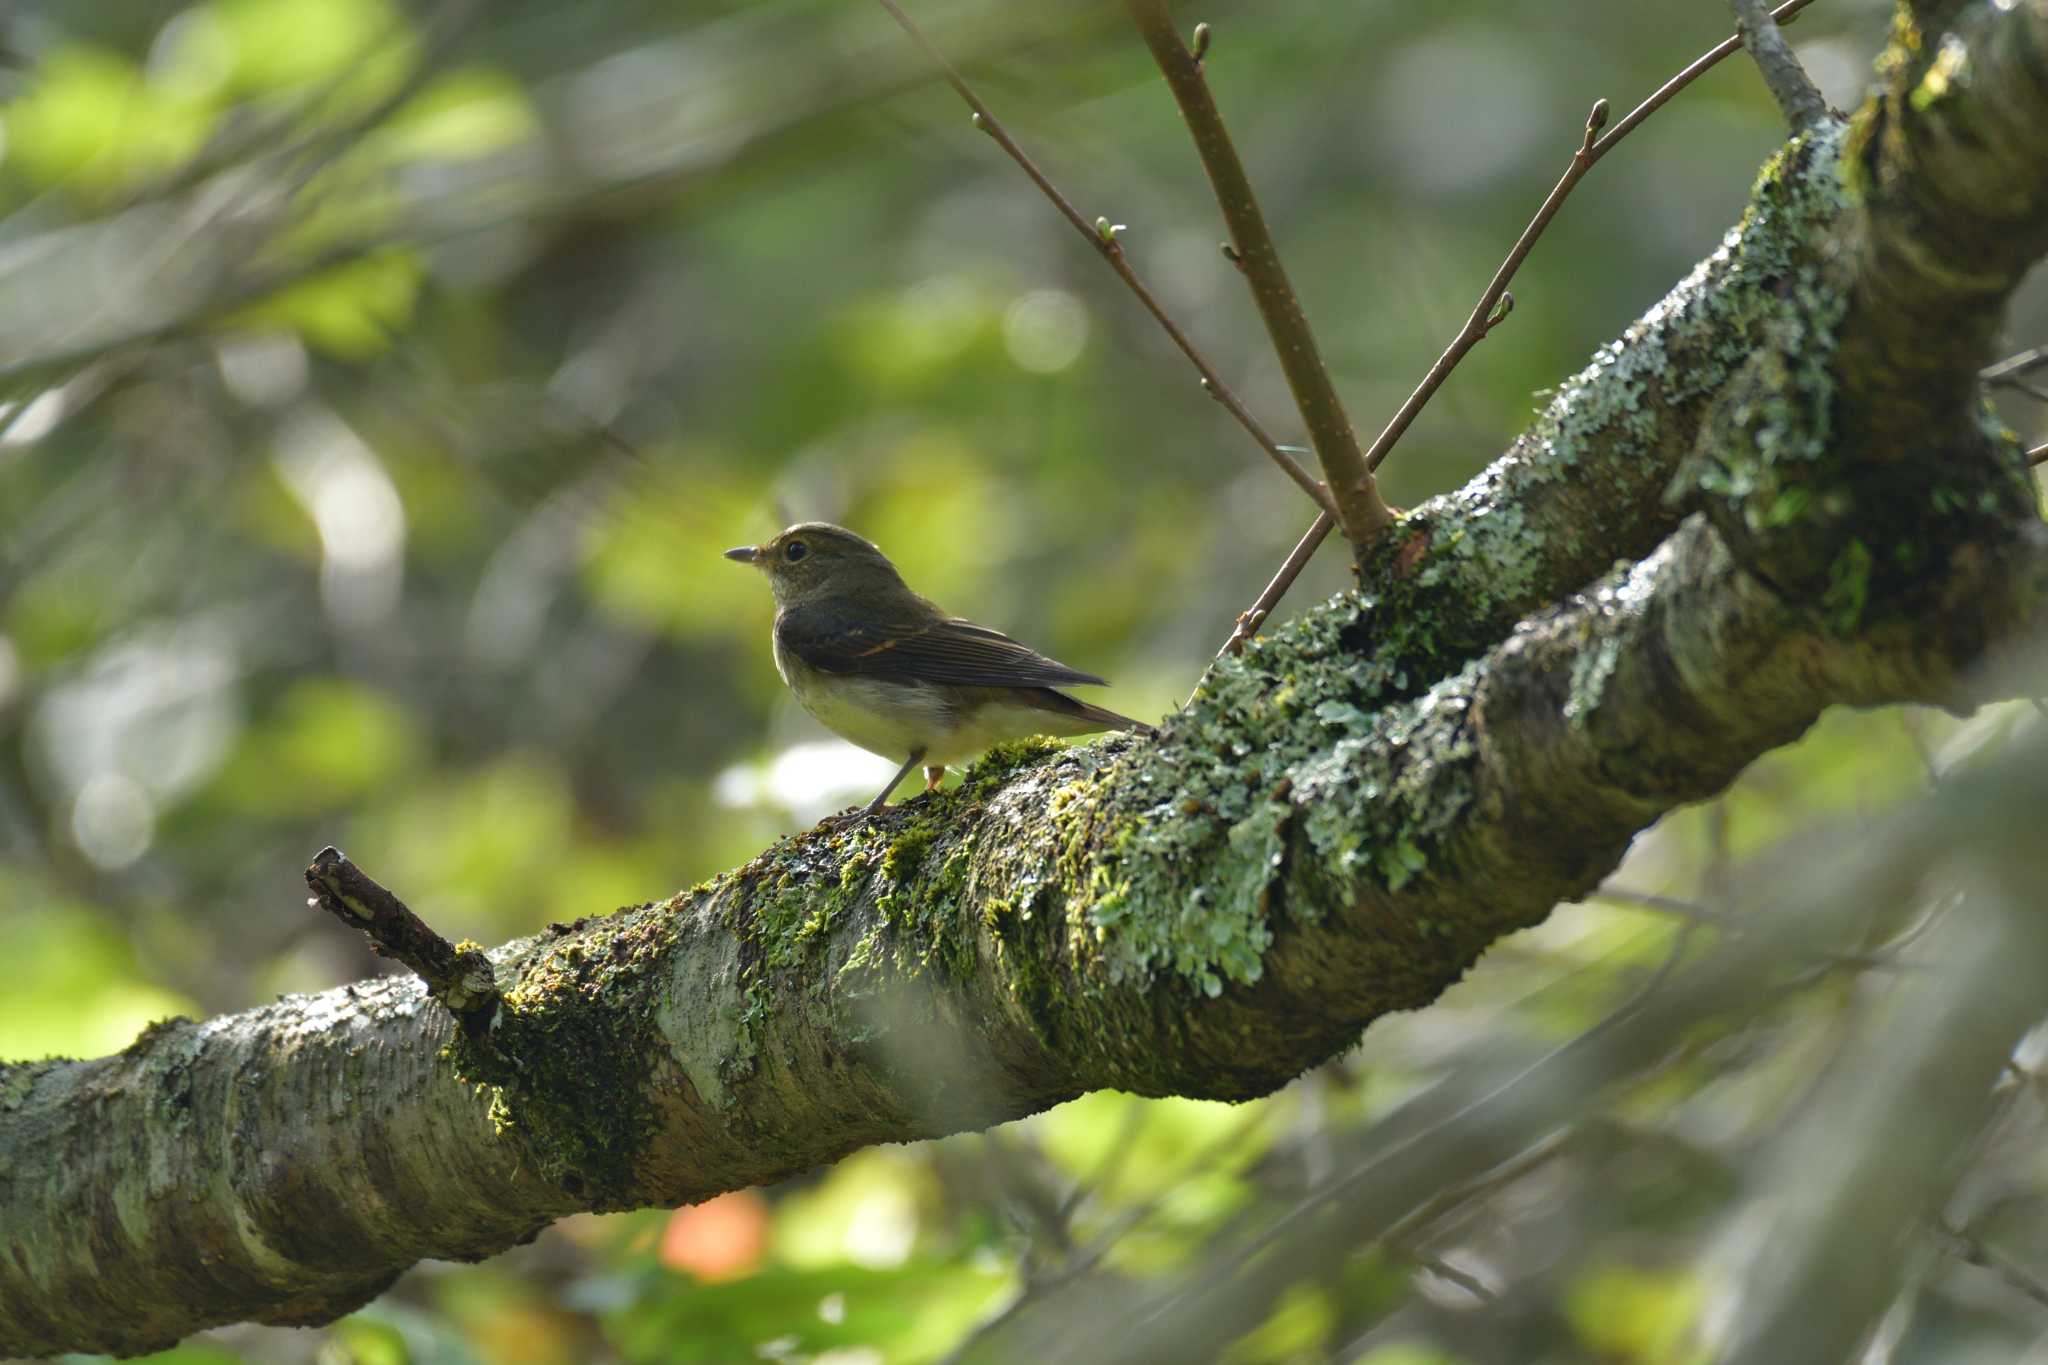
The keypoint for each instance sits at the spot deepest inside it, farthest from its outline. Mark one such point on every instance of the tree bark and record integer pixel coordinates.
(1787, 455)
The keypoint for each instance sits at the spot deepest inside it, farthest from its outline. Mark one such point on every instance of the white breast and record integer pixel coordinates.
(893, 719)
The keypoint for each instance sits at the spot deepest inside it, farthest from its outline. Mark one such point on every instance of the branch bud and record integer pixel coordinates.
(1595, 121)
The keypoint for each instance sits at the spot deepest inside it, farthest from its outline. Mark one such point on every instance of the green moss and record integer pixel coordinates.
(1848, 587)
(906, 853)
(913, 864)
(18, 1080)
(567, 1060)
(1455, 575)
(1945, 75)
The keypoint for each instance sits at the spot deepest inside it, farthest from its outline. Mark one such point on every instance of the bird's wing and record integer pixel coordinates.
(935, 649)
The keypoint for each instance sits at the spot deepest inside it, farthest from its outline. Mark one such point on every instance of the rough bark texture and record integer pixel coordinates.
(1787, 457)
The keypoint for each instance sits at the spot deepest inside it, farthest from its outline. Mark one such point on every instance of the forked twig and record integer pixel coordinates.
(1360, 509)
(1493, 305)
(1251, 618)
(1102, 235)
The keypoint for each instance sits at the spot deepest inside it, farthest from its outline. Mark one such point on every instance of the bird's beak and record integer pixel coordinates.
(745, 554)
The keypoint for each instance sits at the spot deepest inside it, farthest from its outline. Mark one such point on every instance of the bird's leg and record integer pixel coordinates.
(934, 776)
(882, 798)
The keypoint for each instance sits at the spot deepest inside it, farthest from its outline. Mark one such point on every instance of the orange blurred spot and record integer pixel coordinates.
(721, 1239)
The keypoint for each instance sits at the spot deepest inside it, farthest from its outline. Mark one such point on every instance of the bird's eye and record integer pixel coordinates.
(795, 550)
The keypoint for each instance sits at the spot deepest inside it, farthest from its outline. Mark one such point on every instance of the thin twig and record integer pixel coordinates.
(2038, 455)
(1909, 721)
(2006, 370)
(1664, 905)
(1088, 1257)
(1705, 62)
(1496, 302)
(1102, 235)
(1360, 509)
(1797, 96)
(1970, 1247)
(2027, 387)
(1249, 621)
(1496, 293)
(1444, 1270)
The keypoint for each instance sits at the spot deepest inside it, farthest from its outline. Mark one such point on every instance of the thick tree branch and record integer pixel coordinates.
(1948, 158)
(1334, 828)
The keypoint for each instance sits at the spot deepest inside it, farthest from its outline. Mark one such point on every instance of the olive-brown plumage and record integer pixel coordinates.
(883, 667)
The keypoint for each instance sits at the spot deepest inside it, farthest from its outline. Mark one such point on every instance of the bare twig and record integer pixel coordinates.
(2027, 387)
(1664, 905)
(1102, 235)
(1797, 96)
(460, 977)
(1444, 1270)
(1359, 508)
(1035, 1287)
(2008, 370)
(1249, 620)
(1909, 721)
(1495, 302)
(1970, 1247)
(1705, 62)
(1490, 305)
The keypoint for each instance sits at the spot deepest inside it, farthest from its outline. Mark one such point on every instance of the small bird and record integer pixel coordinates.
(882, 667)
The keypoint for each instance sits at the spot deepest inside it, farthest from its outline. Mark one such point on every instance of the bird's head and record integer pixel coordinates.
(815, 559)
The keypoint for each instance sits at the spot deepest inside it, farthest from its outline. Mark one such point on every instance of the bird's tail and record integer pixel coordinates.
(1099, 716)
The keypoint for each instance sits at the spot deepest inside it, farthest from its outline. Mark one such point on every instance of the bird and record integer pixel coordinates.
(882, 667)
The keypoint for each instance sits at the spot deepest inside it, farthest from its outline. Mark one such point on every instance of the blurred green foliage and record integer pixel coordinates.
(379, 500)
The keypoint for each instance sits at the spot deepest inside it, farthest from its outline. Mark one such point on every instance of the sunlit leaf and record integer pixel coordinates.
(350, 310)
(88, 119)
(1634, 1314)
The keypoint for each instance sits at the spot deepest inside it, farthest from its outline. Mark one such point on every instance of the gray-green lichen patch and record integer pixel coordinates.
(1343, 739)
(1591, 480)
(1285, 753)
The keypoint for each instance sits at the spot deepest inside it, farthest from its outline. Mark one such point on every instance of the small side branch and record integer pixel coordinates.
(1102, 235)
(1251, 618)
(1494, 306)
(1359, 507)
(1790, 86)
(2014, 367)
(1496, 302)
(460, 977)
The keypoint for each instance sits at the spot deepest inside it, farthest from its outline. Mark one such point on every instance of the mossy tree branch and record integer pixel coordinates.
(1335, 828)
